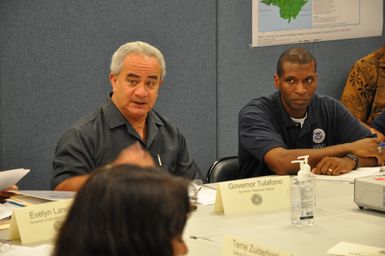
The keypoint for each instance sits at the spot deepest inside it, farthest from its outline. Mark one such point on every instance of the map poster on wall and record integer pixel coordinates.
(277, 22)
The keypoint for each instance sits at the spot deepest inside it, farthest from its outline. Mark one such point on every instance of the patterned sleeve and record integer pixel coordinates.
(358, 92)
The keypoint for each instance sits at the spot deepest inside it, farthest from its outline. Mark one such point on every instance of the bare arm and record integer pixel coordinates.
(72, 184)
(279, 159)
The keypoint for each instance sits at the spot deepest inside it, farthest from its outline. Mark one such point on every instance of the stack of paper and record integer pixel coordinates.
(351, 176)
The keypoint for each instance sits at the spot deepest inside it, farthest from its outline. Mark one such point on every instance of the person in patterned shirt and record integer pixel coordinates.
(364, 92)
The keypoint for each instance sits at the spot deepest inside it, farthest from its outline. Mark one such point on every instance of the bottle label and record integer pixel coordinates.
(307, 202)
(302, 202)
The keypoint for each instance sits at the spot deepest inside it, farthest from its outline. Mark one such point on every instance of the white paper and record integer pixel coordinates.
(11, 177)
(351, 176)
(5, 212)
(46, 194)
(345, 248)
(41, 250)
(206, 195)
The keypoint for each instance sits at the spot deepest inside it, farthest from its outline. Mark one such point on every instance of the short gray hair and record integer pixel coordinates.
(136, 47)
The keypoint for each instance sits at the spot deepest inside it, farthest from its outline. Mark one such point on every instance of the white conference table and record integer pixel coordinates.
(337, 218)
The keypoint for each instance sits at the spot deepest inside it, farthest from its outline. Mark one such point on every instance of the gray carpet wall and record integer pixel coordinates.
(54, 64)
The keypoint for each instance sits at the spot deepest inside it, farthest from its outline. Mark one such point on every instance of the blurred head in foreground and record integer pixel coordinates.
(127, 210)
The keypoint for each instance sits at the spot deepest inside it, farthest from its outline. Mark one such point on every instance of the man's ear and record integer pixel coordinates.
(113, 80)
(277, 82)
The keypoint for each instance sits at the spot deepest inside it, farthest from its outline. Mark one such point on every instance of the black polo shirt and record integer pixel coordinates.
(97, 139)
(264, 124)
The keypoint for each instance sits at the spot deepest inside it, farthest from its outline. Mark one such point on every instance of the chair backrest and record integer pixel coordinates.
(224, 169)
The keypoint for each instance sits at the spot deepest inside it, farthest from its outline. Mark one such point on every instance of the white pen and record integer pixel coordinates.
(159, 160)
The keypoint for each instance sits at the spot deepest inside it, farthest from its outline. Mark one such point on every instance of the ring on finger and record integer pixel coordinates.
(330, 170)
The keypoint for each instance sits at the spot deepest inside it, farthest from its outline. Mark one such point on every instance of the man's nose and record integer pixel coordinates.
(141, 90)
(300, 88)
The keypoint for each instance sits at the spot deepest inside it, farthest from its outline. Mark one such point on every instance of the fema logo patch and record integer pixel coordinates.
(318, 136)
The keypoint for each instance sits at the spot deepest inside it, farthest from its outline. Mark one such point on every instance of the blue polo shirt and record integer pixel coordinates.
(379, 123)
(264, 124)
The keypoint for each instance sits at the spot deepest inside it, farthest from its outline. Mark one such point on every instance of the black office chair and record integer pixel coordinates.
(224, 169)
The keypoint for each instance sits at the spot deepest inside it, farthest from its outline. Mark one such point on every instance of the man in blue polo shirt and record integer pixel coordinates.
(294, 121)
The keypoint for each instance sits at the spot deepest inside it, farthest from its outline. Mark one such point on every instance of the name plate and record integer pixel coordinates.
(268, 193)
(38, 222)
(237, 247)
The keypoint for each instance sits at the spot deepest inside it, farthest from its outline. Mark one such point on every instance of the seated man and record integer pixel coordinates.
(127, 210)
(127, 117)
(364, 92)
(294, 121)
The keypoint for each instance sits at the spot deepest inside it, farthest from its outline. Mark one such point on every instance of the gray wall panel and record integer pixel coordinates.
(54, 67)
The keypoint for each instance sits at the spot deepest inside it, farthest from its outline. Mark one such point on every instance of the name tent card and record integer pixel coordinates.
(237, 247)
(269, 193)
(38, 222)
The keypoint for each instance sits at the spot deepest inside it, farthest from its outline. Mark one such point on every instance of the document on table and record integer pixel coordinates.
(48, 195)
(206, 195)
(351, 176)
(347, 249)
(42, 250)
(11, 177)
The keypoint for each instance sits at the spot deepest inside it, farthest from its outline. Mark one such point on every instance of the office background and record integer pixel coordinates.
(54, 65)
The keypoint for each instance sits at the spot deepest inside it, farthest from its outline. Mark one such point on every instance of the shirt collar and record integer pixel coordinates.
(115, 119)
(112, 114)
(311, 113)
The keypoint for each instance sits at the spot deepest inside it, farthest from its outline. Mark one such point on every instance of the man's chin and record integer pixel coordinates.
(138, 112)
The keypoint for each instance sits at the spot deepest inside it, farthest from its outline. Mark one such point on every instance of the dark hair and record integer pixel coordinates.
(125, 210)
(297, 56)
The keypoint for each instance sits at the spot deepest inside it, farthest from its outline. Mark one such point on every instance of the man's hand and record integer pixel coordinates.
(4, 194)
(135, 155)
(367, 147)
(380, 136)
(334, 166)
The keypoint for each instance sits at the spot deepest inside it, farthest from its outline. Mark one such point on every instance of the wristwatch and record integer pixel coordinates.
(355, 159)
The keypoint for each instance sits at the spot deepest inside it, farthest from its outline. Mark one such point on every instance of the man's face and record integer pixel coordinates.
(297, 86)
(135, 88)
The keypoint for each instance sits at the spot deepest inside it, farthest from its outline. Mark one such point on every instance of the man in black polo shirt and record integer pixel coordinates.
(294, 121)
(126, 118)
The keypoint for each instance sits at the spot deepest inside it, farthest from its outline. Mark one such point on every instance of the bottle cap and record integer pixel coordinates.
(305, 167)
(301, 174)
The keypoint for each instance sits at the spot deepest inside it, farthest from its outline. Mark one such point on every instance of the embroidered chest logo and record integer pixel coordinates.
(318, 135)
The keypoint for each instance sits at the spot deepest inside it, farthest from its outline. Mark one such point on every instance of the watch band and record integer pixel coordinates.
(355, 159)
